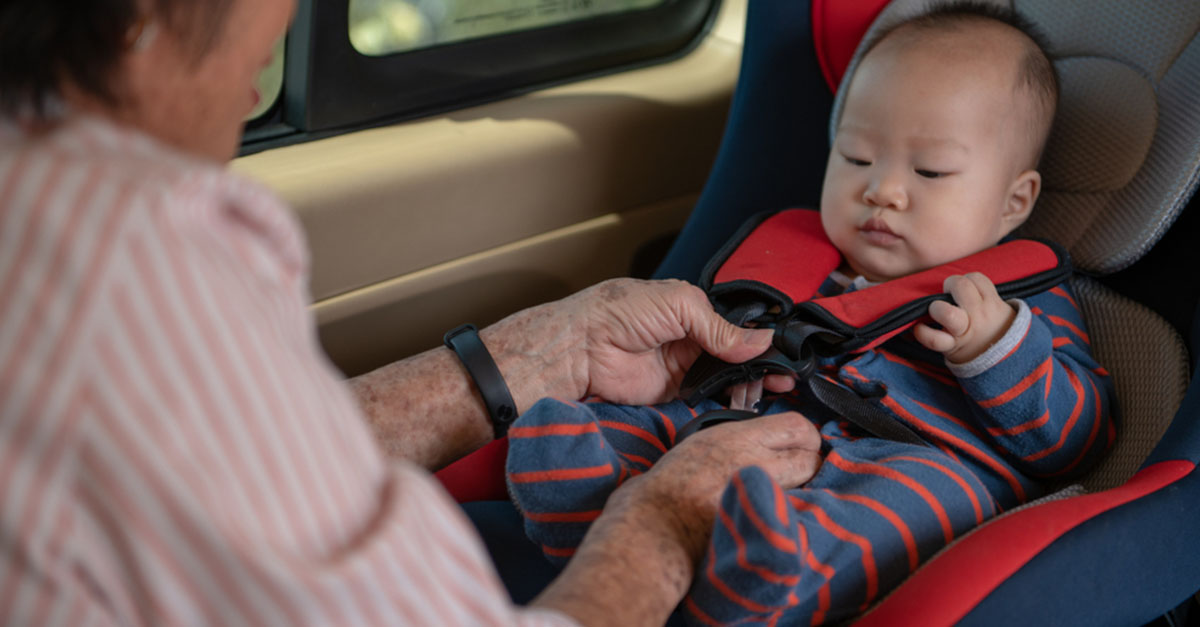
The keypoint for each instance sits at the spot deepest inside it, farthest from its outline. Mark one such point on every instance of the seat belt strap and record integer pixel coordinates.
(767, 275)
(861, 412)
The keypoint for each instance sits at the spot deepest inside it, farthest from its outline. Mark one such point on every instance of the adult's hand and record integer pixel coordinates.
(642, 337)
(624, 340)
(639, 557)
(688, 481)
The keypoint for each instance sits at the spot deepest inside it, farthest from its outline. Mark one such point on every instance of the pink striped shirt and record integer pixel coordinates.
(174, 446)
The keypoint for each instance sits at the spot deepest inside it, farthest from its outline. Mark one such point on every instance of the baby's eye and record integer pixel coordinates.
(930, 174)
(858, 162)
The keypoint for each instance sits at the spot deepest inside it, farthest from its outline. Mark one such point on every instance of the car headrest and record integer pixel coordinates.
(1123, 157)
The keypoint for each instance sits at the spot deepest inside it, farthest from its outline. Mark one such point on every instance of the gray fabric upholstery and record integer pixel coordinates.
(1124, 155)
(1148, 364)
(1091, 122)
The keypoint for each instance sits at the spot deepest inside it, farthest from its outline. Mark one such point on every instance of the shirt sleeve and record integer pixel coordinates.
(226, 475)
(1040, 394)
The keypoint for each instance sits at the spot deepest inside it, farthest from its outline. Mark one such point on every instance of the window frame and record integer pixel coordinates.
(330, 87)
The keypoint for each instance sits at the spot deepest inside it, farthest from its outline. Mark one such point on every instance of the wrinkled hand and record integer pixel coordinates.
(688, 481)
(642, 336)
(977, 320)
(639, 557)
(624, 340)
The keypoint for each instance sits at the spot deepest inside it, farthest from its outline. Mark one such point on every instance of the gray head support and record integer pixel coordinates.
(1123, 155)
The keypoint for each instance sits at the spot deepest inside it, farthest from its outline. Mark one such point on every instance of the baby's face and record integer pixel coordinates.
(925, 161)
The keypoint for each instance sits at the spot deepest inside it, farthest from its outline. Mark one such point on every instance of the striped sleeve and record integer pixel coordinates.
(186, 452)
(566, 458)
(1043, 399)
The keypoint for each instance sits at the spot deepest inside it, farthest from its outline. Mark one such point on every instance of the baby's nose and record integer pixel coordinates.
(886, 191)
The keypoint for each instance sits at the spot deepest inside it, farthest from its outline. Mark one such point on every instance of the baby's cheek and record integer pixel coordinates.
(943, 245)
(926, 256)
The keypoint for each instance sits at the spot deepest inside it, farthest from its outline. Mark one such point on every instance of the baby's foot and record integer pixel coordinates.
(753, 563)
(560, 472)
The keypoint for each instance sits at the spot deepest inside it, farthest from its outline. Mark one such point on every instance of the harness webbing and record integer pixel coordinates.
(768, 273)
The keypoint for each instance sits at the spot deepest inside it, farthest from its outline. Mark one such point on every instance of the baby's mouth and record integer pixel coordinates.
(877, 224)
(877, 232)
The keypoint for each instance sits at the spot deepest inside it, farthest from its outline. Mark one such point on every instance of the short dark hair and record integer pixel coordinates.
(1036, 72)
(45, 44)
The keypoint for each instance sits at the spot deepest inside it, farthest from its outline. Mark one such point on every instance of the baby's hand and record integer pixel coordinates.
(746, 395)
(979, 320)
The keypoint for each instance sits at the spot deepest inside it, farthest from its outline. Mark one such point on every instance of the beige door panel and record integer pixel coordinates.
(474, 214)
(370, 327)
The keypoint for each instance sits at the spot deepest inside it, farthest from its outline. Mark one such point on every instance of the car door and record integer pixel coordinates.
(485, 204)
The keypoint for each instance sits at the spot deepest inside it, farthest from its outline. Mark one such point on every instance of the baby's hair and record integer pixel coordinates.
(1036, 73)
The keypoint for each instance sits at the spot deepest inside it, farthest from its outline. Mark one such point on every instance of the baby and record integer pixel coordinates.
(934, 159)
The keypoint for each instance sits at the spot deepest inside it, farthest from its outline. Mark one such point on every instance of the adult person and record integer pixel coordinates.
(175, 448)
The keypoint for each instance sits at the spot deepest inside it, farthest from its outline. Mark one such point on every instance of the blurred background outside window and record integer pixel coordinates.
(270, 83)
(381, 27)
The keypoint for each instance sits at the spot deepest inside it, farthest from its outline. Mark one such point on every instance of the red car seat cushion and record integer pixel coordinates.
(837, 29)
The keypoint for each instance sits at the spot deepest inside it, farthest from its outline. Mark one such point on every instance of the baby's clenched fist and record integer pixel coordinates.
(977, 319)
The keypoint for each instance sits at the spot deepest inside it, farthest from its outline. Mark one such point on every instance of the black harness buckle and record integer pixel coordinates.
(791, 353)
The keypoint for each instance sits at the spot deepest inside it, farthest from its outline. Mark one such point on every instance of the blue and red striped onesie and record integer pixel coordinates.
(1035, 407)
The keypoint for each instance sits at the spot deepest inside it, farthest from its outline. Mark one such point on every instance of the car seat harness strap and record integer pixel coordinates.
(767, 275)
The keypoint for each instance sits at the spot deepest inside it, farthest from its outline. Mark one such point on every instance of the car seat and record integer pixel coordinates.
(1120, 167)
(1122, 163)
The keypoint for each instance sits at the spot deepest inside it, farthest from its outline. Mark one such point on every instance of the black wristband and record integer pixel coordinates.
(464, 341)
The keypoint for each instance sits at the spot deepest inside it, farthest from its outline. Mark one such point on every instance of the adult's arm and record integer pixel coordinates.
(625, 340)
(190, 454)
(197, 457)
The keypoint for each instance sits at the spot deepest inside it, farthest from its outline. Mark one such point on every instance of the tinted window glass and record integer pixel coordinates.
(353, 64)
(379, 27)
(270, 83)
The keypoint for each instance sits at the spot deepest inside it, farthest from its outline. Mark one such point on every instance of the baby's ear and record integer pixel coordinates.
(1021, 195)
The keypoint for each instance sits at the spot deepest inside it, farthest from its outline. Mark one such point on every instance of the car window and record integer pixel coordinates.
(354, 64)
(270, 84)
(380, 27)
